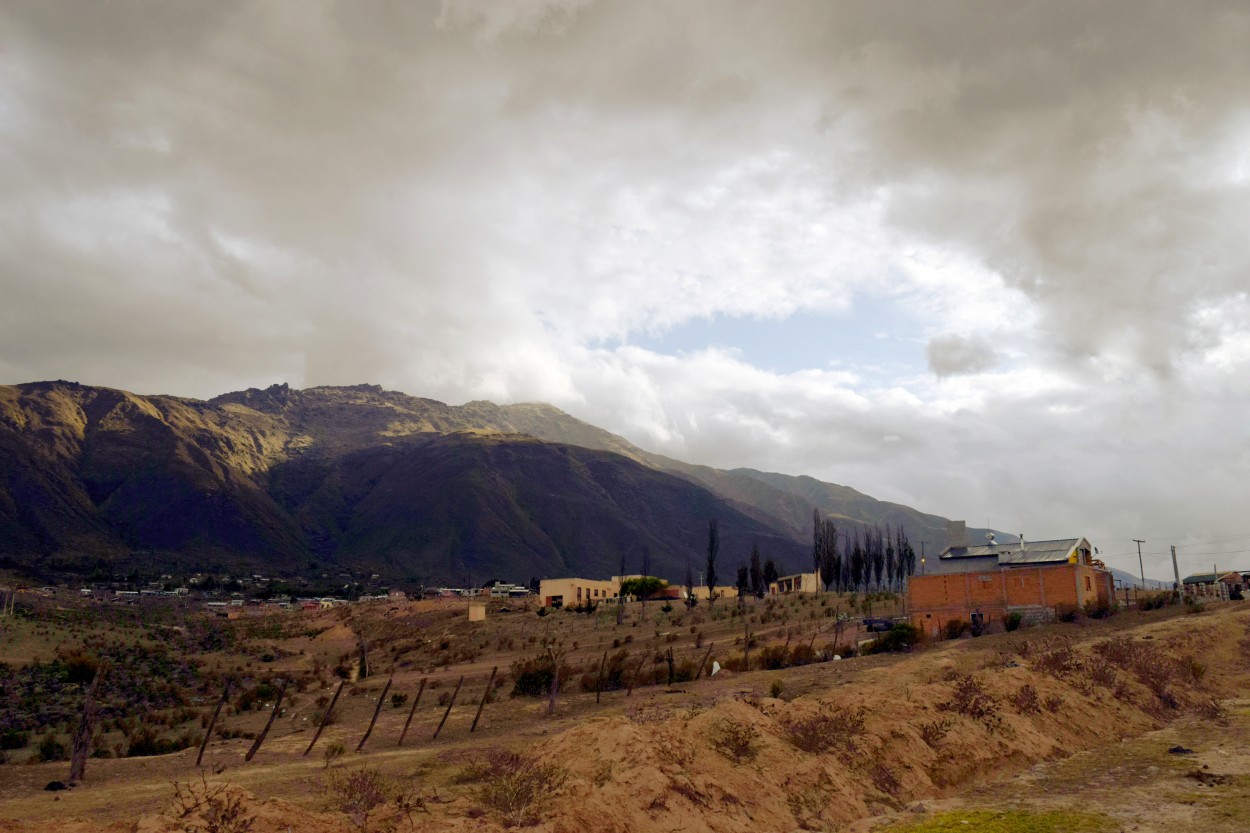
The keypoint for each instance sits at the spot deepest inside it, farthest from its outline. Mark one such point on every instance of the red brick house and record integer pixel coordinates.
(985, 583)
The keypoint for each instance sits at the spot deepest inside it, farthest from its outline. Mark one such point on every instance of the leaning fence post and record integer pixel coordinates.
(277, 705)
(485, 695)
(705, 658)
(634, 677)
(225, 693)
(599, 679)
(459, 683)
(411, 712)
(376, 711)
(325, 718)
(86, 727)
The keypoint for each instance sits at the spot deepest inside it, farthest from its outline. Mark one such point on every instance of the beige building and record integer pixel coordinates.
(574, 592)
(797, 583)
(723, 591)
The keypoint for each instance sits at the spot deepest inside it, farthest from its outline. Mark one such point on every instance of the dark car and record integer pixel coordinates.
(878, 625)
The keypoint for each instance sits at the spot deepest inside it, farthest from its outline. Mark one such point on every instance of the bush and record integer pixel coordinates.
(1026, 700)
(734, 740)
(1099, 609)
(972, 700)
(360, 793)
(51, 749)
(830, 730)
(773, 657)
(532, 677)
(774, 690)
(146, 743)
(1194, 605)
(13, 739)
(518, 792)
(1067, 613)
(898, 639)
(1011, 622)
(955, 628)
(398, 700)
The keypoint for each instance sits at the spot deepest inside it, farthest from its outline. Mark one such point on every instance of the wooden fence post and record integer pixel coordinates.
(599, 680)
(485, 694)
(459, 683)
(325, 718)
(277, 705)
(411, 712)
(705, 658)
(376, 711)
(208, 733)
(86, 728)
(634, 677)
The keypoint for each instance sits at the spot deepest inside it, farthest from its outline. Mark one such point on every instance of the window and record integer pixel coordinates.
(1088, 586)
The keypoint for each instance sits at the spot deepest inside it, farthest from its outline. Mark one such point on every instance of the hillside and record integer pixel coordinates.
(294, 480)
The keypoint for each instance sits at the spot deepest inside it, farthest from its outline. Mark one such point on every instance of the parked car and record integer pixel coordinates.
(878, 625)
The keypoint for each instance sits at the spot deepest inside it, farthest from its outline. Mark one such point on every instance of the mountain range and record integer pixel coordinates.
(292, 481)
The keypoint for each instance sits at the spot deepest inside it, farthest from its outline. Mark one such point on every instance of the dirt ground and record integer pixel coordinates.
(1061, 718)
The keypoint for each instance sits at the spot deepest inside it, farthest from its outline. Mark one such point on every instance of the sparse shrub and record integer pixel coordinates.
(333, 752)
(775, 689)
(830, 730)
(209, 808)
(933, 731)
(1194, 605)
(735, 740)
(972, 700)
(1190, 670)
(1053, 703)
(1211, 709)
(361, 793)
(1055, 658)
(1026, 700)
(1011, 621)
(883, 779)
(955, 628)
(518, 792)
(398, 700)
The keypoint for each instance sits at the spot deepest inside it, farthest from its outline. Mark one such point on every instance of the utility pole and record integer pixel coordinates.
(1176, 571)
(1139, 542)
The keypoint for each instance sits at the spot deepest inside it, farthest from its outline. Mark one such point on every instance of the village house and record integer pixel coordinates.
(575, 592)
(979, 584)
(797, 583)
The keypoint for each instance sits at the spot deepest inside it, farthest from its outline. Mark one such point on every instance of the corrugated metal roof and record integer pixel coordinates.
(1033, 552)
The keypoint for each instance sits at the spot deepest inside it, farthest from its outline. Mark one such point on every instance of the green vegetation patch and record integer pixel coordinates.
(1011, 821)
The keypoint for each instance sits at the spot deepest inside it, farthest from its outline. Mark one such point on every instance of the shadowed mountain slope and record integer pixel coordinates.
(293, 480)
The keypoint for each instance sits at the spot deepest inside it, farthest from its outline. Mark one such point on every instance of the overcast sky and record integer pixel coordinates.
(991, 260)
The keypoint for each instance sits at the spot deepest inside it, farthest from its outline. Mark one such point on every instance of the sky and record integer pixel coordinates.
(988, 260)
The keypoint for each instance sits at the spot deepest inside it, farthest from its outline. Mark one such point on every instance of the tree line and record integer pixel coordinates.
(871, 558)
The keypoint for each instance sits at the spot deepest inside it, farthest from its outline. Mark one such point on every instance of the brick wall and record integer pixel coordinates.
(932, 600)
